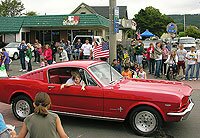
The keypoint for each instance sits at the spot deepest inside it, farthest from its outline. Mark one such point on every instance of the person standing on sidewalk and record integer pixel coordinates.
(139, 49)
(6, 60)
(48, 54)
(191, 57)
(165, 53)
(181, 53)
(198, 65)
(131, 50)
(29, 57)
(22, 49)
(150, 58)
(158, 58)
(87, 50)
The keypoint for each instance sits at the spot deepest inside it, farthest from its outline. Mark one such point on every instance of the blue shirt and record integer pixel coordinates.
(118, 68)
(22, 48)
(5, 55)
(3, 127)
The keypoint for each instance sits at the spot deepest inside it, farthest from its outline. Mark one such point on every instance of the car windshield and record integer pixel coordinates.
(105, 74)
(187, 41)
(12, 45)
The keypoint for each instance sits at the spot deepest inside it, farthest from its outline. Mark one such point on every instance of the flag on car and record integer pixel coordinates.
(101, 50)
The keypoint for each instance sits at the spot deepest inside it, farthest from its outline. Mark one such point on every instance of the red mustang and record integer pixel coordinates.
(145, 104)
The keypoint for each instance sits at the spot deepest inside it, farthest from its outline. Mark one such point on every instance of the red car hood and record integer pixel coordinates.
(155, 86)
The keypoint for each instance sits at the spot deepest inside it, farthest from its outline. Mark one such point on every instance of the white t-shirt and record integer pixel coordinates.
(142, 75)
(71, 81)
(198, 56)
(159, 57)
(191, 55)
(86, 49)
(181, 54)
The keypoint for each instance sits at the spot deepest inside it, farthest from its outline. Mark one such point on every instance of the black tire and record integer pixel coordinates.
(149, 114)
(22, 104)
(15, 56)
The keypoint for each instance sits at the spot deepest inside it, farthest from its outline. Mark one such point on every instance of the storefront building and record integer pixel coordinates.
(50, 28)
(84, 20)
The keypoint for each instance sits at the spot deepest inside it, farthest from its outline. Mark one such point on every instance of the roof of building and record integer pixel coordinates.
(104, 11)
(14, 24)
(10, 24)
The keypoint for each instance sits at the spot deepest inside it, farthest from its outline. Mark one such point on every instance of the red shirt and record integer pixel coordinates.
(48, 54)
(148, 52)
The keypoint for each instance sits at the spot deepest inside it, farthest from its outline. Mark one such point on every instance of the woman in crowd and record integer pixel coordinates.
(42, 123)
(150, 58)
(29, 56)
(48, 54)
(165, 53)
(158, 58)
(64, 56)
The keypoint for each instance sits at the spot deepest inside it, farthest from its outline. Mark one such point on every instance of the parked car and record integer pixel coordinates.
(197, 41)
(12, 50)
(88, 37)
(187, 42)
(107, 95)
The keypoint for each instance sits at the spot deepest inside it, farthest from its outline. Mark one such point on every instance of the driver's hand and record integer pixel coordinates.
(83, 88)
(62, 86)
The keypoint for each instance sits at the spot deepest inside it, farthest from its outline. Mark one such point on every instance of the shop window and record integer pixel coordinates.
(23, 36)
(47, 36)
(1, 38)
(28, 35)
(55, 35)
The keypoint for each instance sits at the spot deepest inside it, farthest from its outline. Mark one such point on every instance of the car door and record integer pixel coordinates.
(74, 100)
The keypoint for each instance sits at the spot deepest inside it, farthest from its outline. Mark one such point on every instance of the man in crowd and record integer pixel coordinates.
(22, 48)
(131, 51)
(87, 50)
(6, 60)
(139, 49)
(181, 53)
(191, 57)
(77, 47)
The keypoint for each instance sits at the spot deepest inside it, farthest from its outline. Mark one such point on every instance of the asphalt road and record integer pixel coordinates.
(88, 128)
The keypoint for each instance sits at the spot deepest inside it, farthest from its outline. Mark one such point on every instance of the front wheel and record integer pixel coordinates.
(22, 106)
(15, 56)
(145, 121)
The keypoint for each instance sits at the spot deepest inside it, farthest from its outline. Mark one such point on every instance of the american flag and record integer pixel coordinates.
(101, 50)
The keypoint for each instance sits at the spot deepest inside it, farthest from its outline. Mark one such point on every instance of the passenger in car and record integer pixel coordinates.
(75, 80)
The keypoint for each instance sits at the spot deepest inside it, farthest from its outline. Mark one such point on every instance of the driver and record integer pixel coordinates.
(74, 80)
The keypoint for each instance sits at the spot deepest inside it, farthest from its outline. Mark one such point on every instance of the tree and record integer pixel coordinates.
(151, 18)
(31, 13)
(192, 31)
(180, 27)
(11, 8)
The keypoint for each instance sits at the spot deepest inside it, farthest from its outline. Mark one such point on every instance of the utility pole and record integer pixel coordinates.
(184, 20)
(112, 34)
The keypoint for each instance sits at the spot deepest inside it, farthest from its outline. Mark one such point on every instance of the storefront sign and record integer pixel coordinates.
(71, 20)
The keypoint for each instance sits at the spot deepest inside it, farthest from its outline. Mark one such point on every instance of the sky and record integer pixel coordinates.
(57, 7)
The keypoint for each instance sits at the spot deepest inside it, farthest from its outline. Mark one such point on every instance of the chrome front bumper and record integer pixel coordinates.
(185, 113)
